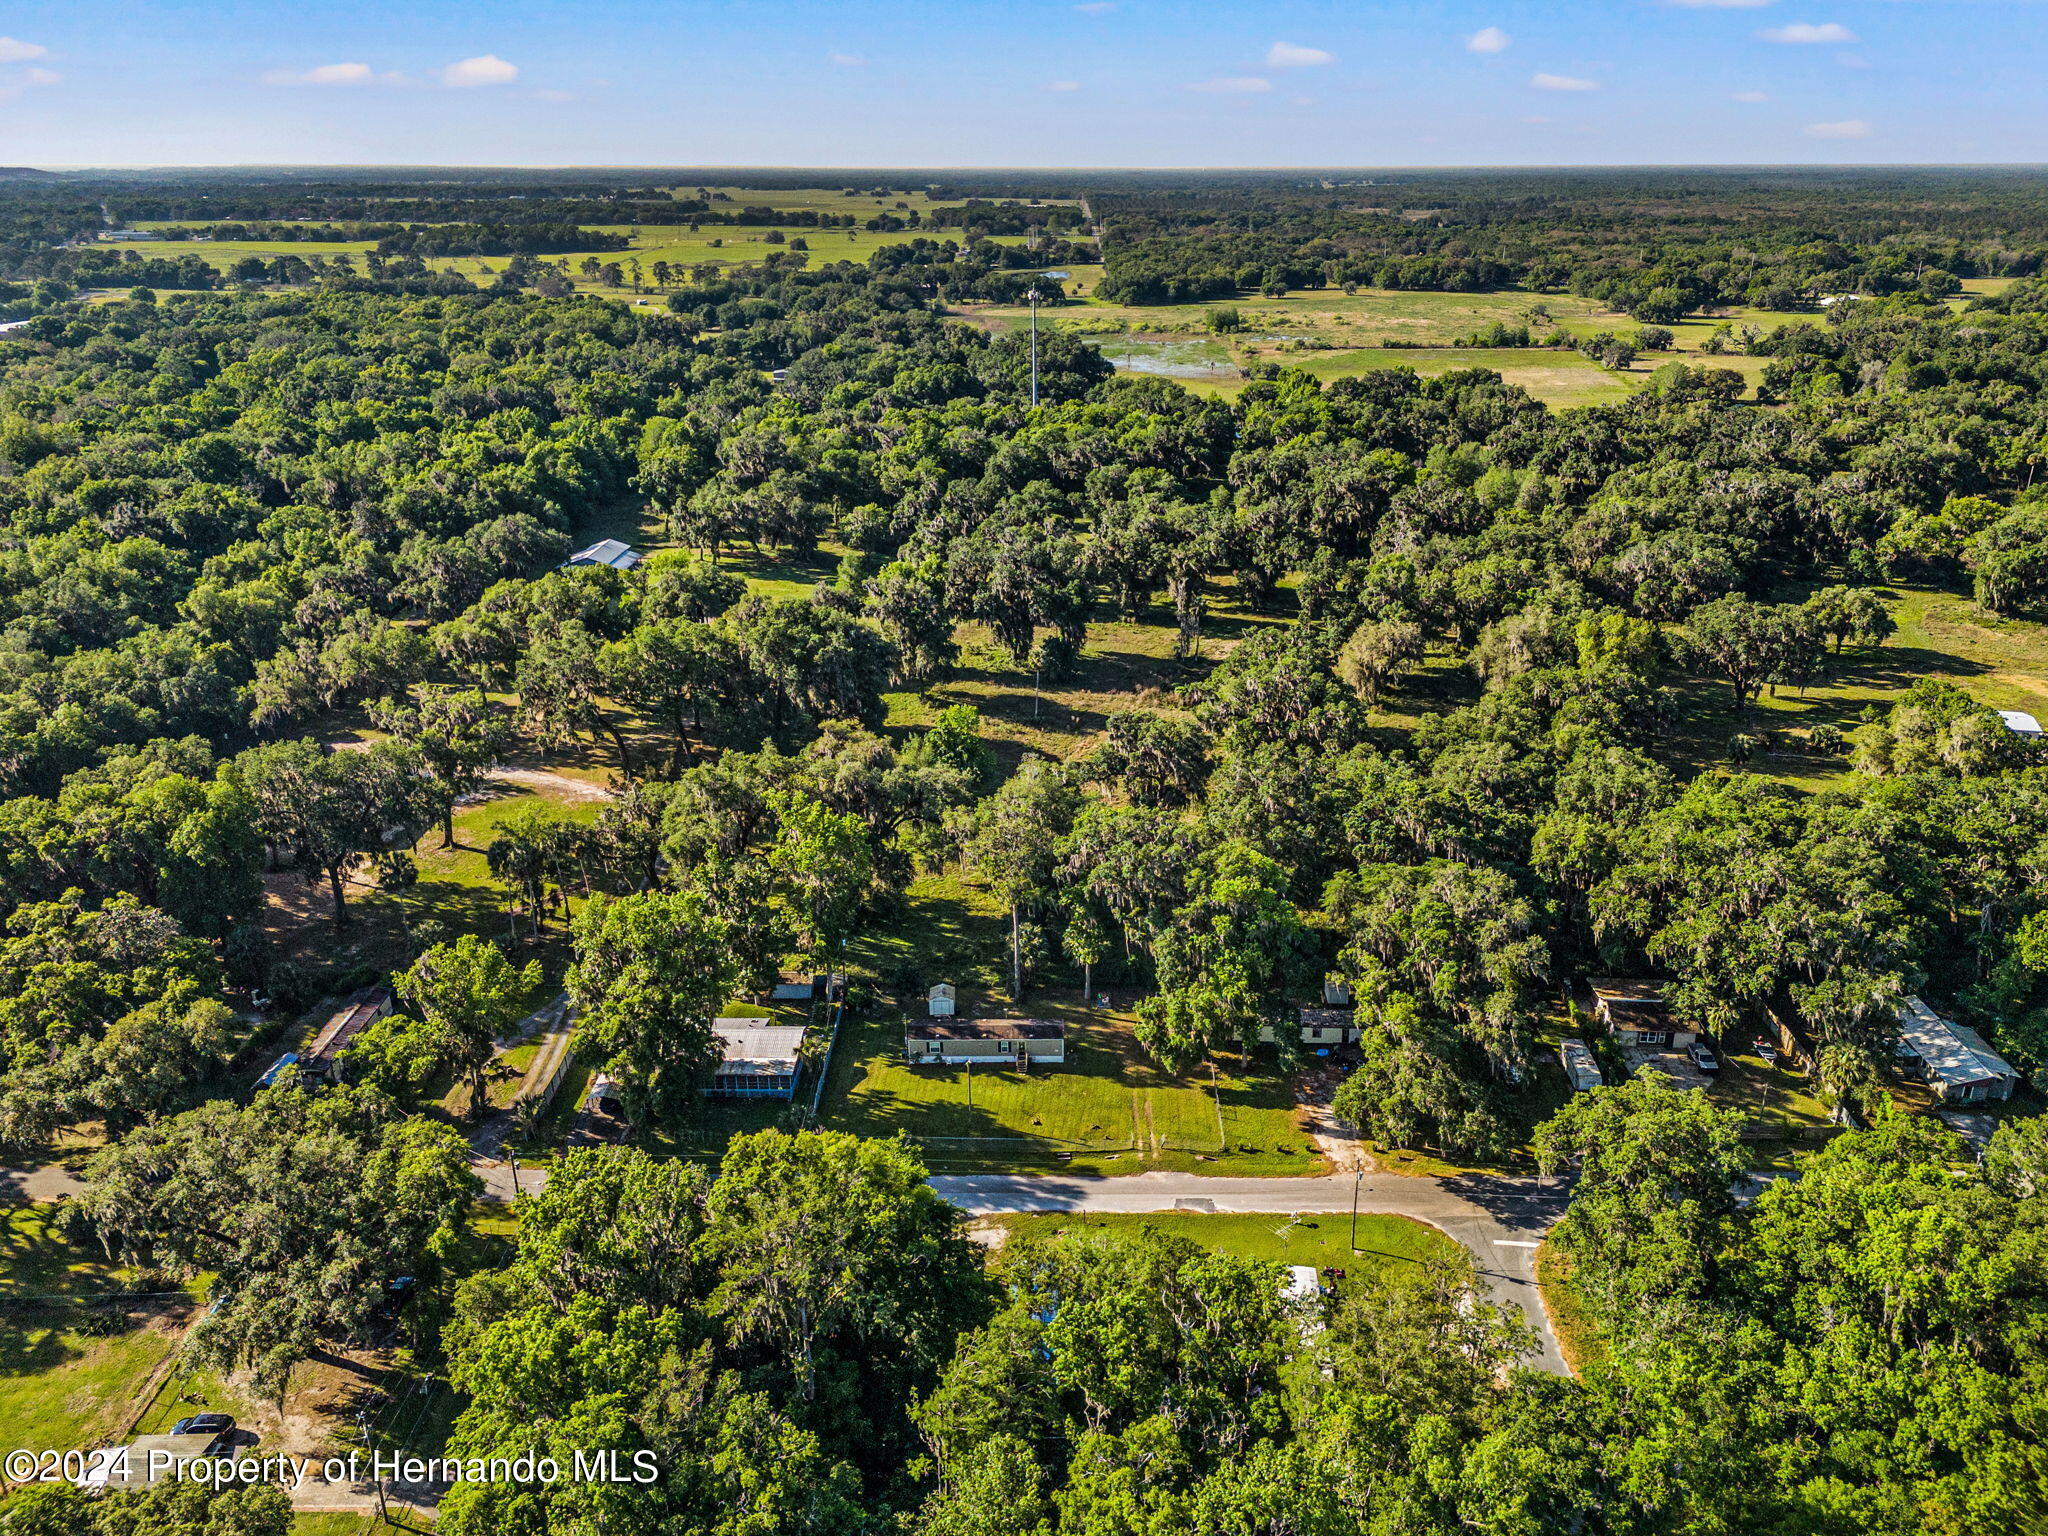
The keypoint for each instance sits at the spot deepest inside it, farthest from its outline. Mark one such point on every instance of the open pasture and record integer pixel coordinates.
(1332, 334)
(676, 244)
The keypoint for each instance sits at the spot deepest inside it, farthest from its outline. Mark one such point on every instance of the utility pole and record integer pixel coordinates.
(1033, 297)
(1355, 1182)
(370, 1444)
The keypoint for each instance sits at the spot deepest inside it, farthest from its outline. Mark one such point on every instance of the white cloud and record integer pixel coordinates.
(1294, 56)
(1808, 32)
(1232, 85)
(846, 60)
(1563, 83)
(13, 50)
(484, 69)
(1063, 86)
(330, 74)
(43, 77)
(1488, 40)
(1750, 96)
(1854, 128)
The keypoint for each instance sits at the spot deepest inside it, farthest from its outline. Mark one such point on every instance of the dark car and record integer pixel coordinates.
(204, 1424)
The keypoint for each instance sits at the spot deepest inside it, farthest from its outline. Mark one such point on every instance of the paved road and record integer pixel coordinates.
(1499, 1220)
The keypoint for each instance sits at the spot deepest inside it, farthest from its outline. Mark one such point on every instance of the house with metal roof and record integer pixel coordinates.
(320, 1062)
(938, 1042)
(620, 557)
(1951, 1058)
(760, 1059)
(2019, 722)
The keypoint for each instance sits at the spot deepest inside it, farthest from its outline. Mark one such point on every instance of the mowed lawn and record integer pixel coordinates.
(70, 1373)
(1322, 1241)
(1107, 1108)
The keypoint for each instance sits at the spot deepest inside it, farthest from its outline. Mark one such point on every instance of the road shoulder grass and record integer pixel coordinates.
(1319, 1240)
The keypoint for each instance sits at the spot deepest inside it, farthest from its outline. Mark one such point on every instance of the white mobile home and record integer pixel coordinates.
(998, 1042)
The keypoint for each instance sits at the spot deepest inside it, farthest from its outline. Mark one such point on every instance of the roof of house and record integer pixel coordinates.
(1954, 1053)
(1631, 1004)
(1327, 1018)
(986, 1029)
(2020, 722)
(346, 1022)
(611, 552)
(757, 1048)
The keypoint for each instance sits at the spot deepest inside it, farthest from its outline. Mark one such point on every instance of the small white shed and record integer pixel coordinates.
(940, 1001)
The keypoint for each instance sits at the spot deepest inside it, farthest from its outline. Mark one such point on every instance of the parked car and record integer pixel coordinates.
(1766, 1050)
(1703, 1057)
(204, 1424)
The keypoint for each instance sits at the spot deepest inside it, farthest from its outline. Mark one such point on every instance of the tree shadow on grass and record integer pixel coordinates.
(38, 1339)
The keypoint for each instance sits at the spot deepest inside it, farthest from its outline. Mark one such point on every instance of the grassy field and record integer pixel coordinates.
(1999, 662)
(1332, 334)
(863, 202)
(1123, 665)
(1368, 318)
(1559, 378)
(456, 893)
(1320, 1241)
(723, 245)
(72, 1374)
(1107, 1109)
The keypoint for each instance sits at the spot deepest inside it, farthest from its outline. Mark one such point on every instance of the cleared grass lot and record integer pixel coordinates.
(1106, 1109)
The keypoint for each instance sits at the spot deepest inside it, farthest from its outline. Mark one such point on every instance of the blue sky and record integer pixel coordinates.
(1025, 82)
